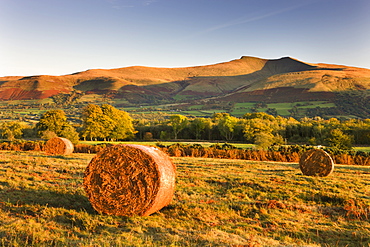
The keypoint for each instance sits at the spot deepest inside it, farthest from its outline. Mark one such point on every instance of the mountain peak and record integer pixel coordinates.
(138, 84)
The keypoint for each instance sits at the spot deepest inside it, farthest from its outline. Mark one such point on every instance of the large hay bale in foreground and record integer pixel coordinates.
(128, 180)
(316, 162)
(58, 145)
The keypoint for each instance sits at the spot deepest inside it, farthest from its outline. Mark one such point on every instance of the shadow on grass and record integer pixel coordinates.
(348, 238)
(40, 154)
(47, 198)
(345, 168)
(62, 157)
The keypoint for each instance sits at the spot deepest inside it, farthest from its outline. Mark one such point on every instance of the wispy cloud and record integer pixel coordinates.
(244, 20)
(121, 4)
(149, 2)
(248, 19)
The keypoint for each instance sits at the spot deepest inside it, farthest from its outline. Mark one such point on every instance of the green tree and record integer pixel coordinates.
(178, 123)
(259, 115)
(339, 139)
(264, 140)
(198, 125)
(227, 125)
(71, 134)
(256, 126)
(52, 120)
(218, 115)
(11, 130)
(56, 121)
(163, 135)
(123, 127)
(264, 129)
(208, 128)
(47, 135)
(94, 123)
(106, 122)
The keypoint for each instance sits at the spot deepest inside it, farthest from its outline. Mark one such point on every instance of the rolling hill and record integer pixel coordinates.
(248, 79)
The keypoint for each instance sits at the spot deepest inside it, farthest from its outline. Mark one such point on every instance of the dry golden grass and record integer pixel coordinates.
(216, 203)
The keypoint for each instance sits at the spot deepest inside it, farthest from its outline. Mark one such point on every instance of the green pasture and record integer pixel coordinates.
(322, 104)
(200, 113)
(238, 110)
(25, 102)
(362, 148)
(282, 109)
(195, 107)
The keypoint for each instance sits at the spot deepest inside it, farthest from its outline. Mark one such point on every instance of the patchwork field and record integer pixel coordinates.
(216, 203)
(14, 110)
(282, 109)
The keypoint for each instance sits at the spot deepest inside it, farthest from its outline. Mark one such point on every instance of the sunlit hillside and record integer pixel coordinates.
(244, 75)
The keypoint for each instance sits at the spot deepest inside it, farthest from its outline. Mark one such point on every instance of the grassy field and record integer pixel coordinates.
(282, 108)
(17, 109)
(216, 203)
(363, 149)
(238, 110)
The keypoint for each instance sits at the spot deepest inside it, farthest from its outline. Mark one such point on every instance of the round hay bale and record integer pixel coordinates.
(128, 180)
(58, 145)
(316, 162)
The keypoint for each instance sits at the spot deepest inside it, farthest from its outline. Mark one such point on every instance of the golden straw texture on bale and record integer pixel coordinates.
(128, 180)
(316, 162)
(58, 145)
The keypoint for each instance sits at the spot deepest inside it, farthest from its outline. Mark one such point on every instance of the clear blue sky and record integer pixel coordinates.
(58, 37)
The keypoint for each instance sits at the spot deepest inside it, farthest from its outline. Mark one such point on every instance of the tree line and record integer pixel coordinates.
(106, 122)
(259, 128)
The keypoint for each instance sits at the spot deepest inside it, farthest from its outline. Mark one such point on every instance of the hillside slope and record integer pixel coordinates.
(240, 80)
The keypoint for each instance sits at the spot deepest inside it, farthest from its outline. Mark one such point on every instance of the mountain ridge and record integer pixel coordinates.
(239, 80)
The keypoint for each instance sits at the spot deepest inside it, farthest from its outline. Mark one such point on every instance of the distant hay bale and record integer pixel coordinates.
(58, 145)
(316, 162)
(128, 180)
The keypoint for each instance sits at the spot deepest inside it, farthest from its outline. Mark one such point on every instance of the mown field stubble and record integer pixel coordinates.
(216, 203)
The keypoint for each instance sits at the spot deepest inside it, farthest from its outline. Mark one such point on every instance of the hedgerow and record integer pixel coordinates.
(286, 153)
